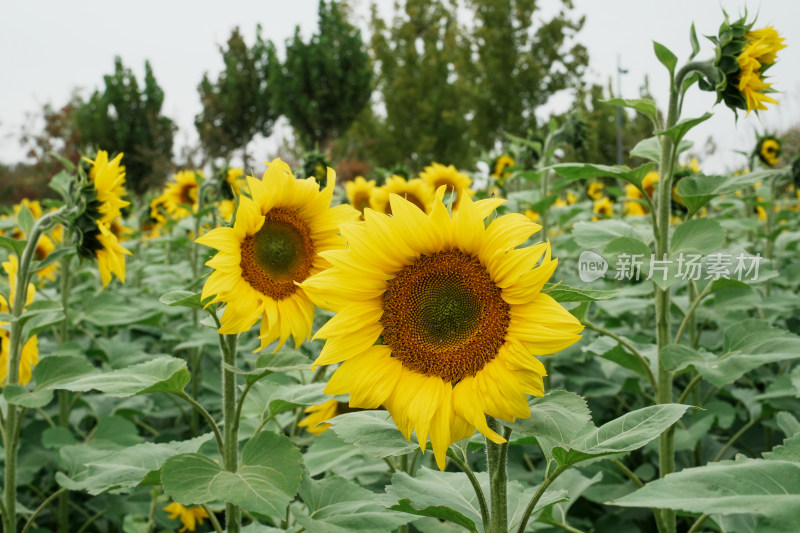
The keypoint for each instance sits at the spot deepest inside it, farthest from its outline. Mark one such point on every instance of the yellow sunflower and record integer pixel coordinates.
(234, 178)
(225, 208)
(501, 164)
(456, 182)
(180, 192)
(109, 182)
(110, 255)
(30, 350)
(318, 415)
(34, 206)
(769, 151)
(632, 207)
(439, 318)
(190, 517)
(604, 206)
(595, 190)
(273, 245)
(650, 182)
(415, 191)
(760, 52)
(359, 191)
(45, 247)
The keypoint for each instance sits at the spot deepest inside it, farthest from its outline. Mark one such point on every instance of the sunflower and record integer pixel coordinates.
(359, 191)
(45, 247)
(273, 245)
(500, 166)
(318, 415)
(30, 350)
(33, 205)
(454, 181)
(190, 517)
(604, 206)
(595, 190)
(179, 194)
(439, 318)
(743, 56)
(225, 208)
(234, 178)
(103, 204)
(633, 207)
(415, 191)
(650, 182)
(768, 150)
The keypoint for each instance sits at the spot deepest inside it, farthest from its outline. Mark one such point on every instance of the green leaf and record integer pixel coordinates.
(47, 374)
(627, 245)
(596, 235)
(163, 374)
(677, 132)
(579, 171)
(16, 246)
(103, 470)
(769, 488)
(61, 182)
(293, 396)
(335, 505)
(788, 423)
(696, 191)
(666, 57)
(266, 481)
(695, 43)
(283, 361)
(25, 219)
(563, 293)
(700, 236)
(19, 395)
(650, 148)
(645, 106)
(746, 346)
(373, 432)
(559, 416)
(184, 299)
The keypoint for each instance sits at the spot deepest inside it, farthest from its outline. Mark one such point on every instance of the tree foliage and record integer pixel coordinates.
(125, 118)
(324, 84)
(237, 105)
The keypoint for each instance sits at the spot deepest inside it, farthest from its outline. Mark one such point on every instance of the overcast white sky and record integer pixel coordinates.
(50, 47)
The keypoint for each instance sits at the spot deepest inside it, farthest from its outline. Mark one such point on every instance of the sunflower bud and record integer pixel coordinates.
(743, 55)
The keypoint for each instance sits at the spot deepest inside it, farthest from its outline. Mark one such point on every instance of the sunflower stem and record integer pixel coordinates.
(230, 454)
(496, 456)
(63, 395)
(15, 344)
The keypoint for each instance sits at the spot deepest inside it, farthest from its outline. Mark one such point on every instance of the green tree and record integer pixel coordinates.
(237, 105)
(324, 84)
(125, 118)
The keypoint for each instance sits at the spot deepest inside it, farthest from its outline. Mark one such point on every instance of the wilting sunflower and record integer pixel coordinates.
(415, 191)
(103, 202)
(454, 181)
(30, 350)
(318, 415)
(190, 517)
(768, 150)
(274, 245)
(439, 318)
(743, 56)
(180, 193)
(359, 191)
(595, 190)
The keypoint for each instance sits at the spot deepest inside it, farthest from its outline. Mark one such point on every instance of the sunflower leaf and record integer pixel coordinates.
(25, 219)
(184, 299)
(373, 432)
(559, 416)
(695, 43)
(645, 106)
(677, 132)
(563, 293)
(14, 245)
(701, 235)
(265, 482)
(162, 374)
(666, 57)
(578, 171)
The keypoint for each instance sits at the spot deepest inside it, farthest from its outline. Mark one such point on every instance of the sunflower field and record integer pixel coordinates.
(545, 346)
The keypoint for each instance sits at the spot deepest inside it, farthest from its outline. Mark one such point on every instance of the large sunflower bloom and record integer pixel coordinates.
(30, 350)
(459, 313)
(273, 245)
(415, 191)
(456, 182)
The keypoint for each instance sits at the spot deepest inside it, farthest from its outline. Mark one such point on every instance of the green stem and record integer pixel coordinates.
(689, 387)
(697, 523)
(496, 455)
(205, 414)
(230, 454)
(63, 395)
(561, 525)
(476, 486)
(538, 495)
(645, 363)
(628, 472)
(734, 438)
(213, 519)
(16, 342)
(41, 508)
(688, 318)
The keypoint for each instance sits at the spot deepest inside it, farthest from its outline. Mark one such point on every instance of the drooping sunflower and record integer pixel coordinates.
(318, 415)
(102, 205)
(190, 517)
(359, 191)
(30, 350)
(415, 191)
(180, 193)
(274, 245)
(454, 181)
(743, 56)
(439, 318)
(768, 150)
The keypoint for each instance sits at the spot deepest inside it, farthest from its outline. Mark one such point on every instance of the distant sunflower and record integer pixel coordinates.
(180, 195)
(415, 191)
(30, 350)
(632, 206)
(650, 182)
(768, 150)
(456, 182)
(190, 517)
(234, 178)
(103, 197)
(604, 206)
(595, 190)
(318, 415)
(501, 165)
(274, 245)
(359, 191)
(457, 312)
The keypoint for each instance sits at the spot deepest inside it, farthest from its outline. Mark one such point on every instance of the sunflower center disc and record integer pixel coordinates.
(278, 254)
(444, 316)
